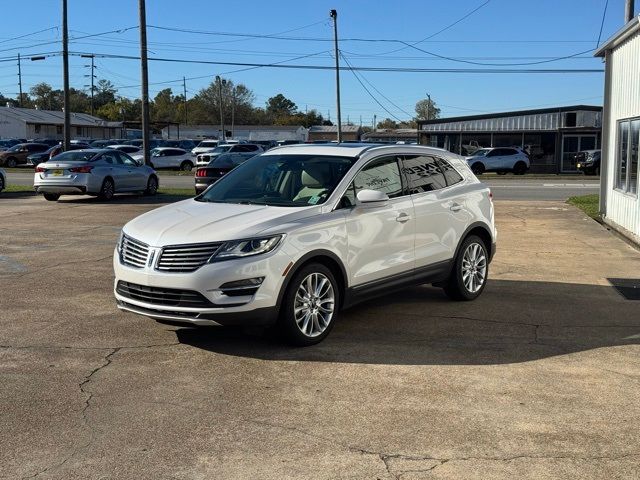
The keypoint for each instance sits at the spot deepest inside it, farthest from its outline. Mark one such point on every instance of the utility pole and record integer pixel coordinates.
(375, 123)
(184, 90)
(144, 72)
(92, 66)
(65, 74)
(628, 10)
(334, 14)
(360, 121)
(219, 82)
(429, 107)
(19, 82)
(233, 112)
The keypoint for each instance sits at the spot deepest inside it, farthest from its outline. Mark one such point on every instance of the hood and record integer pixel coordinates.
(190, 221)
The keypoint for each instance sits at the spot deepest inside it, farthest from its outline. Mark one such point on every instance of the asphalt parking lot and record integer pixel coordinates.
(539, 378)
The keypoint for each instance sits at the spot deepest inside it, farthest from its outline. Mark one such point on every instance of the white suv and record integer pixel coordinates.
(499, 159)
(295, 234)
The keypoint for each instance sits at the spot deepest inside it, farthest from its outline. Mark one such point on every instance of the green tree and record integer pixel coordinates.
(45, 97)
(426, 109)
(105, 92)
(237, 102)
(387, 123)
(281, 106)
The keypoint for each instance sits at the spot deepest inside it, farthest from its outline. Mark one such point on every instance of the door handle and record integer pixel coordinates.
(403, 217)
(455, 207)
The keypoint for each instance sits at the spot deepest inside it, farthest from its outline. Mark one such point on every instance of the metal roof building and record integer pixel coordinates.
(619, 199)
(32, 123)
(551, 136)
(330, 132)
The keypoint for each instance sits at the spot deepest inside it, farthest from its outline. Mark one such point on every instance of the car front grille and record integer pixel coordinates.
(186, 258)
(133, 253)
(169, 297)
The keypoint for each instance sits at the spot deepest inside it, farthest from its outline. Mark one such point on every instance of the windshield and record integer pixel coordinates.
(155, 152)
(222, 148)
(227, 160)
(16, 148)
(207, 144)
(481, 153)
(75, 156)
(281, 180)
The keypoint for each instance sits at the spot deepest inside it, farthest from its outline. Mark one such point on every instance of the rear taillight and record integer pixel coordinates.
(201, 172)
(39, 169)
(85, 169)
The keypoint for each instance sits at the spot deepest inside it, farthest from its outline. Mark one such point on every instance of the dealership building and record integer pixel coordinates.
(551, 136)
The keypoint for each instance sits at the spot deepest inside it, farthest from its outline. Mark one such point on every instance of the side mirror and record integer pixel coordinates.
(372, 197)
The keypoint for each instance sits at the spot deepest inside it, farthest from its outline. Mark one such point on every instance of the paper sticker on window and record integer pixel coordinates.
(313, 200)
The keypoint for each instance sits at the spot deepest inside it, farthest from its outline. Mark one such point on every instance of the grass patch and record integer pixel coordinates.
(177, 192)
(589, 204)
(18, 189)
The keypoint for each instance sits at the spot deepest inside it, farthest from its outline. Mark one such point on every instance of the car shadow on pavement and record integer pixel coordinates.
(513, 321)
(126, 199)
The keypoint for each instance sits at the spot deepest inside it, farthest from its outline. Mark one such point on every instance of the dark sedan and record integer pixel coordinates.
(588, 161)
(36, 158)
(218, 167)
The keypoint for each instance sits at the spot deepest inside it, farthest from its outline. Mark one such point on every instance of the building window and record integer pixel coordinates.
(626, 173)
(36, 128)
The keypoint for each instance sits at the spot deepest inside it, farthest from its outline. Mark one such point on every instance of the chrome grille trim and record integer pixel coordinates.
(186, 258)
(133, 253)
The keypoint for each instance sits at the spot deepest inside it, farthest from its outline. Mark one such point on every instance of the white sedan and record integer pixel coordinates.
(168, 157)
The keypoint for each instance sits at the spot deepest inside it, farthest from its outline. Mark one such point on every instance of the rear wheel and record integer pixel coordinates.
(52, 197)
(310, 305)
(469, 275)
(107, 190)
(186, 166)
(152, 186)
(477, 168)
(519, 168)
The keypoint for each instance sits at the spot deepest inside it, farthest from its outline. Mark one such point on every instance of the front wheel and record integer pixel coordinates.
(186, 166)
(310, 305)
(152, 186)
(469, 275)
(52, 197)
(11, 162)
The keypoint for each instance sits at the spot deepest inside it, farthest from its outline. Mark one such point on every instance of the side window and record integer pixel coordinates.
(126, 160)
(112, 158)
(496, 152)
(510, 151)
(250, 148)
(424, 174)
(450, 174)
(382, 175)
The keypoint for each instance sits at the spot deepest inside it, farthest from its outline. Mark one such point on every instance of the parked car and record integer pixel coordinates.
(205, 146)
(204, 158)
(184, 144)
(3, 180)
(218, 167)
(297, 233)
(103, 143)
(166, 157)
(153, 143)
(47, 141)
(7, 144)
(499, 159)
(101, 172)
(37, 158)
(282, 143)
(588, 161)
(125, 148)
(265, 144)
(17, 155)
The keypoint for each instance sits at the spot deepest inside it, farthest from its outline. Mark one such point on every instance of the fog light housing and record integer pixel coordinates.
(239, 288)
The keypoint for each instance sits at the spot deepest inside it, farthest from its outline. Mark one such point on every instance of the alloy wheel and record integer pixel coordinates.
(314, 304)
(474, 267)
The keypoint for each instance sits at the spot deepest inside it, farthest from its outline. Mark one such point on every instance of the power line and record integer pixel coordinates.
(7, 40)
(604, 14)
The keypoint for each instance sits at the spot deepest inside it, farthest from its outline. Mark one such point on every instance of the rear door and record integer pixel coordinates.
(136, 175)
(434, 204)
(381, 237)
(117, 169)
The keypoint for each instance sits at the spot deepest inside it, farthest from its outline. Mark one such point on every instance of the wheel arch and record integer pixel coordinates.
(324, 257)
(481, 230)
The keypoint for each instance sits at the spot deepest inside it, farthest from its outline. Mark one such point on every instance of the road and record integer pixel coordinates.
(505, 188)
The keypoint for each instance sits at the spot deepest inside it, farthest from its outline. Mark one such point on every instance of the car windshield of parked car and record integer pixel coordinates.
(481, 153)
(156, 152)
(75, 156)
(16, 148)
(207, 144)
(227, 160)
(280, 180)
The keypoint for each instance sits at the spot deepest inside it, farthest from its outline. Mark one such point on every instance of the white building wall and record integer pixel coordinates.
(11, 127)
(623, 209)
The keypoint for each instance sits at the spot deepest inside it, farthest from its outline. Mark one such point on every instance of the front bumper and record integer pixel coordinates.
(257, 308)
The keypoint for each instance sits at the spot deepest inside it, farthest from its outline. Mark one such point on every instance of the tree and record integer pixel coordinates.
(121, 109)
(45, 97)
(281, 106)
(387, 123)
(237, 101)
(426, 109)
(105, 92)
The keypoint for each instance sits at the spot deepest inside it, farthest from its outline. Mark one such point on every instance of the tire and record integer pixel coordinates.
(459, 287)
(300, 329)
(186, 166)
(107, 190)
(152, 186)
(1, 183)
(519, 168)
(11, 162)
(477, 168)
(52, 197)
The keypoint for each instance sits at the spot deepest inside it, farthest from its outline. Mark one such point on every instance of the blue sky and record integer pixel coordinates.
(502, 31)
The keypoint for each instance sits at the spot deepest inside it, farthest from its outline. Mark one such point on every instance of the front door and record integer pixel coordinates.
(571, 145)
(381, 237)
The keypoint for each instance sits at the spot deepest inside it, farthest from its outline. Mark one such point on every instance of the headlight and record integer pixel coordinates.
(119, 244)
(246, 248)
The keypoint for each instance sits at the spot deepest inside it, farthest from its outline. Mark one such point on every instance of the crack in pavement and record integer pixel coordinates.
(93, 260)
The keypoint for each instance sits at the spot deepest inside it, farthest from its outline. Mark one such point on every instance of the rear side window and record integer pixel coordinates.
(423, 174)
(382, 175)
(450, 174)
